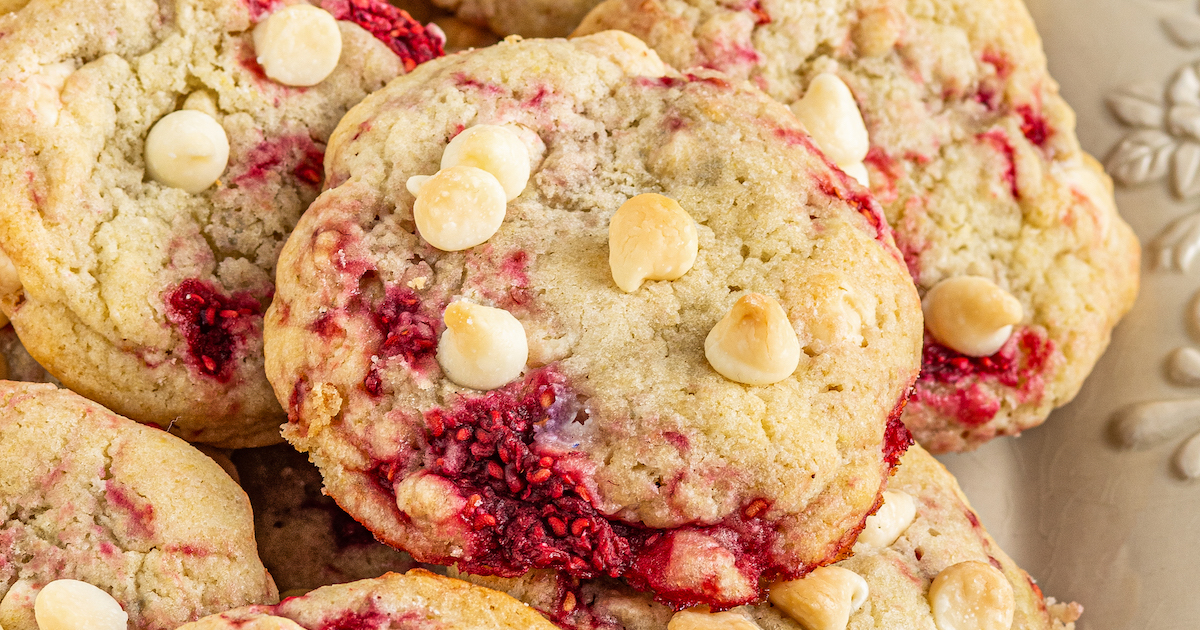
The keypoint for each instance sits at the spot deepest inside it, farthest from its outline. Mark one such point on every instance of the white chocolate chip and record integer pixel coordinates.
(187, 149)
(971, 595)
(201, 101)
(482, 347)
(460, 207)
(754, 343)
(823, 599)
(75, 605)
(298, 45)
(832, 118)
(495, 149)
(650, 237)
(427, 497)
(971, 315)
(415, 183)
(10, 283)
(885, 526)
(701, 619)
(47, 87)
(858, 171)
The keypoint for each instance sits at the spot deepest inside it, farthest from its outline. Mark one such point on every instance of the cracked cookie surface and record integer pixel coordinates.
(417, 600)
(145, 297)
(92, 496)
(619, 451)
(974, 158)
(944, 531)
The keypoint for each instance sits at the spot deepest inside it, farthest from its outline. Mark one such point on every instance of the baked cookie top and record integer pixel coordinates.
(925, 529)
(417, 600)
(613, 448)
(972, 154)
(136, 293)
(88, 495)
(304, 539)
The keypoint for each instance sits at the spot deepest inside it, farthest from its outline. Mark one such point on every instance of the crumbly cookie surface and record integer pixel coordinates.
(147, 298)
(417, 600)
(92, 496)
(944, 532)
(304, 539)
(974, 158)
(619, 450)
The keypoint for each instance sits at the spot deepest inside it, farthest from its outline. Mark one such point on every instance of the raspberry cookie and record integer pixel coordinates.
(418, 599)
(1008, 228)
(907, 570)
(650, 334)
(90, 496)
(153, 158)
(291, 513)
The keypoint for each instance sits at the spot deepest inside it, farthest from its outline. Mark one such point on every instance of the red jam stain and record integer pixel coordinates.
(997, 60)
(526, 506)
(760, 14)
(466, 81)
(406, 37)
(297, 154)
(896, 438)
(407, 333)
(971, 517)
(672, 82)
(261, 8)
(212, 323)
(889, 171)
(370, 619)
(141, 513)
(999, 140)
(187, 550)
(861, 200)
(1034, 125)
(1020, 364)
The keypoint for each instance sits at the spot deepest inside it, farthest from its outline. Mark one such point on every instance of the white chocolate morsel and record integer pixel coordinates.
(971, 315)
(754, 343)
(201, 101)
(459, 208)
(10, 282)
(885, 526)
(701, 619)
(415, 183)
(858, 171)
(823, 599)
(831, 116)
(650, 237)
(75, 605)
(298, 45)
(187, 149)
(495, 149)
(971, 595)
(482, 347)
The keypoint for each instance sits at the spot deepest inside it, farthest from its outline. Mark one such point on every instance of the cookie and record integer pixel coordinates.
(91, 496)
(929, 529)
(291, 514)
(528, 18)
(17, 364)
(417, 599)
(973, 155)
(605, 442)
(137, 293)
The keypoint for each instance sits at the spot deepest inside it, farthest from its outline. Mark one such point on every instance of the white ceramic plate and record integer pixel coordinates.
(1097, 504)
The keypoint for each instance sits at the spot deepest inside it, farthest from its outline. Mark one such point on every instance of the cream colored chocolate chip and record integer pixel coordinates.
(75, 605)
(10, 282)
(971, 315)
(878, 31)
(482, 347)
(428, 497)
(858, 171)
(201, 101)
(701, 619)
(298, 45)
(754, 343)
(823, 599)
(495, 149)
(831, 116)
(885, 526)
(47, 87)
(187, 149)
(460, 207)
(650, 237)
(971, 595)
(415, 183)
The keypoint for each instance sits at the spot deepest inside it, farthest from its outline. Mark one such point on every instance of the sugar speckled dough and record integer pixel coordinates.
(92, 496)
(304, 539)
(144, 297)
(974, 158)
(946, 531)
(417, 600)
(619, 451)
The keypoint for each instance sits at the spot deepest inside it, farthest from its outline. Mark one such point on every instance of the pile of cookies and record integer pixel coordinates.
(650, 327)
